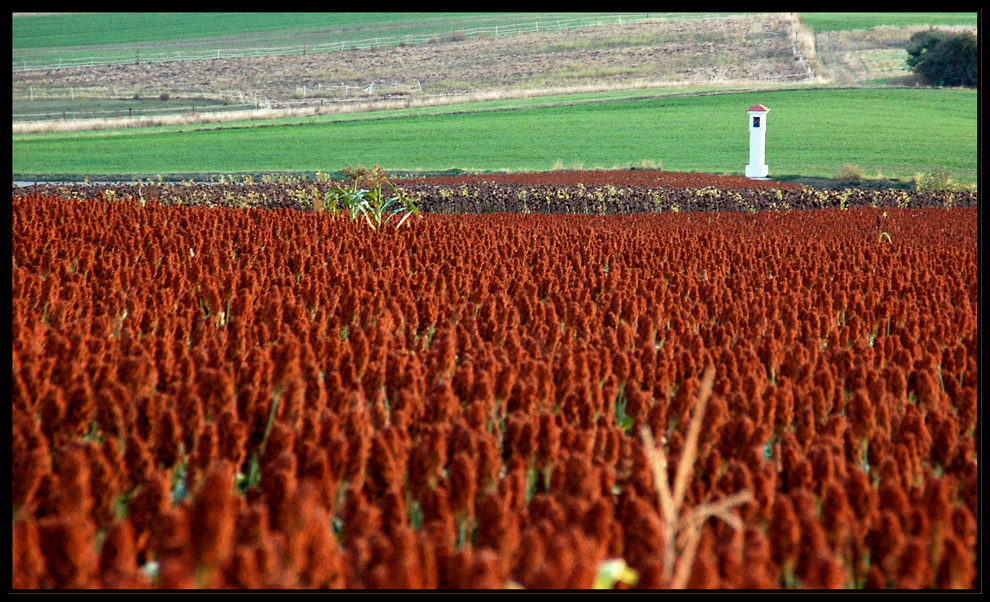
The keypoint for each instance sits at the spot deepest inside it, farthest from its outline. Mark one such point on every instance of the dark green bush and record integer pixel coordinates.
(942, 58)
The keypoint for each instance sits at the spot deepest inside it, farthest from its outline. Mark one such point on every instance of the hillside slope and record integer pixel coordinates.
(753, 48)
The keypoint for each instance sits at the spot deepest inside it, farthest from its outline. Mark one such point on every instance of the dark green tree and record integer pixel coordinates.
(942, 58)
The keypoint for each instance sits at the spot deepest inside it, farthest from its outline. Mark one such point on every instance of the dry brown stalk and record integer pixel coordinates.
(682, 526)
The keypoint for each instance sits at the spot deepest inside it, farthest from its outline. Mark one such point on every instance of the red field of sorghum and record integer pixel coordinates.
(219, 398)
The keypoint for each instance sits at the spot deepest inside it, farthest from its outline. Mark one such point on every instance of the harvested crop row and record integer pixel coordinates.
(581, 193)
(633, 177)
(258, 399)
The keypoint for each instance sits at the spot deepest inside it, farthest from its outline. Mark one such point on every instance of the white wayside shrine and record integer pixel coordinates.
(757, 168)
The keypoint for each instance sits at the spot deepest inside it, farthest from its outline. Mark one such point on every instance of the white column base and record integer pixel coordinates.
(757, 171)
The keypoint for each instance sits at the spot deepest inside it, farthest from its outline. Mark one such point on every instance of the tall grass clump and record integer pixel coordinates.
(850, 174)
(935, 179)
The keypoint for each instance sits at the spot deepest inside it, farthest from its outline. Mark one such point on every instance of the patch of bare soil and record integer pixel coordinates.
(756, 48)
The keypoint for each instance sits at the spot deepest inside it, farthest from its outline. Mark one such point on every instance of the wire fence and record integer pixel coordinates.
(377, 42)
(186, 101)
(263, 103)
(308, 96)
(112, 113)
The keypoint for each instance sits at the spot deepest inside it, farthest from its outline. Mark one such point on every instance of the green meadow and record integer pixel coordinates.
(850, 21)
(812, 133)
(78, 29)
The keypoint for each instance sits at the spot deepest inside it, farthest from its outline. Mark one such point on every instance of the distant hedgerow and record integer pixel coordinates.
(942, 58)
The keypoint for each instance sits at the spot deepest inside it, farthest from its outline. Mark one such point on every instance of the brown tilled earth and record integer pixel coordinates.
(756, 48)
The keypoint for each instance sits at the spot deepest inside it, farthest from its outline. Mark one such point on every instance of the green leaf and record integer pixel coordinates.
(370, 223)
(611, 572)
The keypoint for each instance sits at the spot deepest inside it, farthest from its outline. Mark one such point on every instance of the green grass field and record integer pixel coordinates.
(811, 133)
(76, 29)
(849, 21)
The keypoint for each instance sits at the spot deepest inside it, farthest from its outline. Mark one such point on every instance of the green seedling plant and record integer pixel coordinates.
(382, 208)
(365, 199)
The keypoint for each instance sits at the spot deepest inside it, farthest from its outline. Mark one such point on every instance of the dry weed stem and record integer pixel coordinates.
(682, 526)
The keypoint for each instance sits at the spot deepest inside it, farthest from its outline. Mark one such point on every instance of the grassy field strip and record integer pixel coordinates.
(810, 133)
(76, 29)
(849, 21)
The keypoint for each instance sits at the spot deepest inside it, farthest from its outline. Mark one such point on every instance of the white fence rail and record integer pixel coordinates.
(377, 42)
